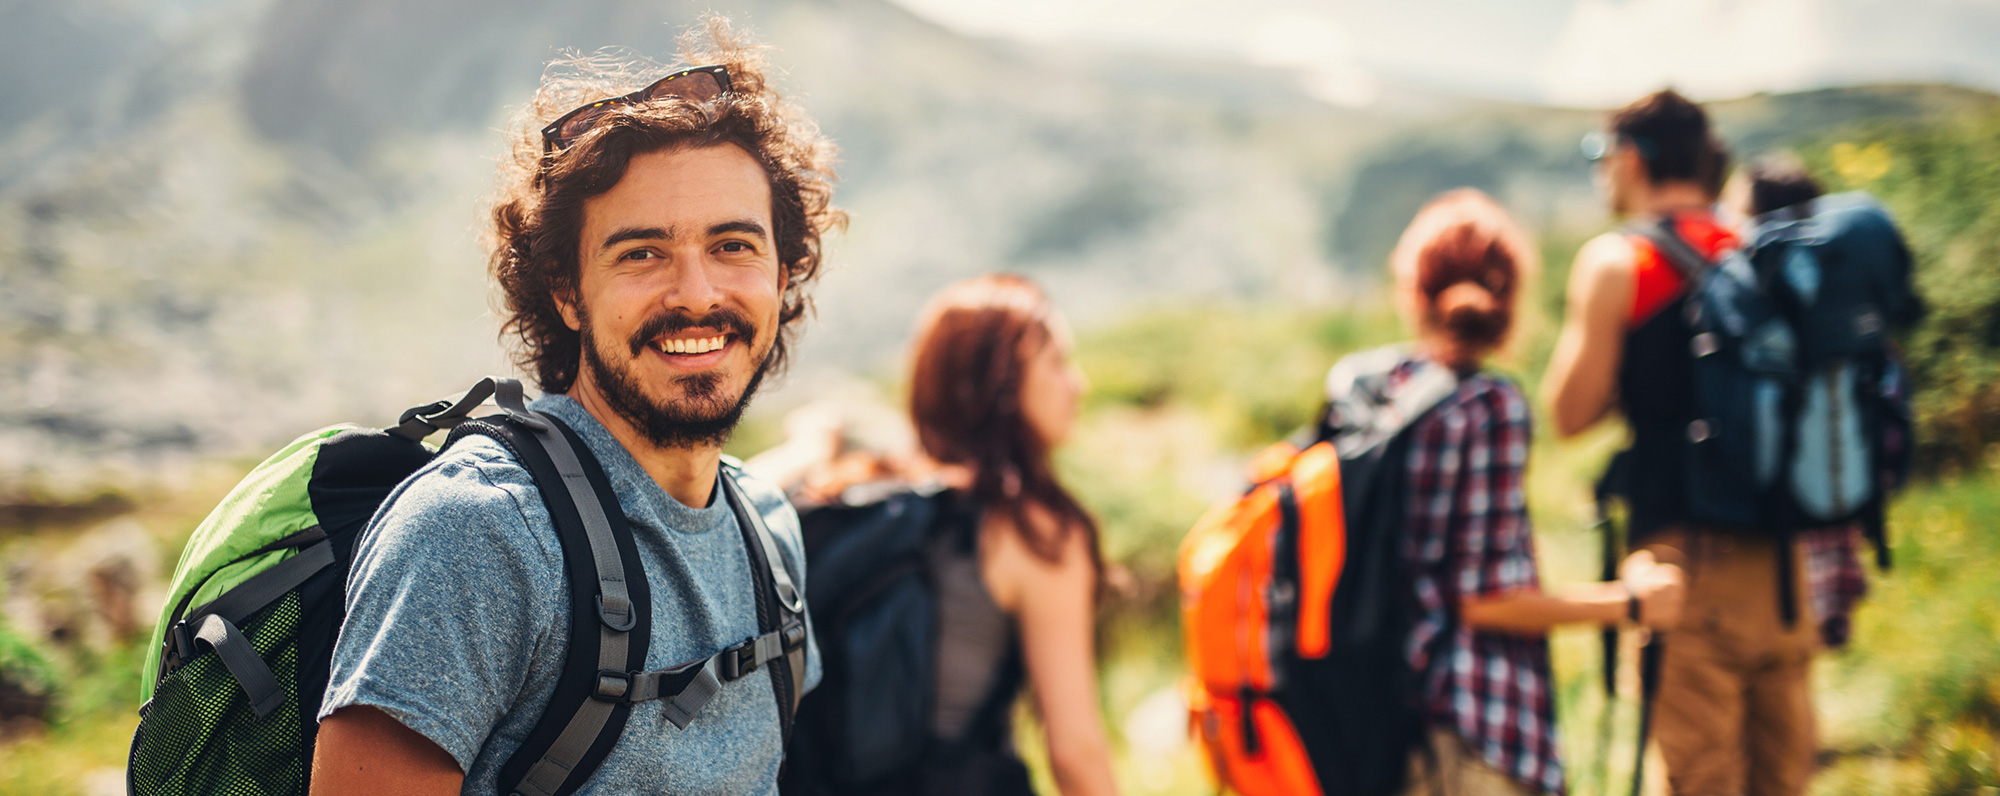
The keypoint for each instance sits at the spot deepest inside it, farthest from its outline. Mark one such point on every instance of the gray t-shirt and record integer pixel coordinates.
(458, 618)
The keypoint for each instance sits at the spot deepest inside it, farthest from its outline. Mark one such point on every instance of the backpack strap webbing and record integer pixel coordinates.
(781, 604)
(611, 610)
(610, 605)
(249, 671)
(215, 624)
(1691, 264)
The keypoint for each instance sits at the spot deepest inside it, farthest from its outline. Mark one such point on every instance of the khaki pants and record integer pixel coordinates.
(1734, 715)
(1448, 768)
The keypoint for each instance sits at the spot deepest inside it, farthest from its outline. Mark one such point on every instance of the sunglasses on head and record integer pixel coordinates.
(697, 85)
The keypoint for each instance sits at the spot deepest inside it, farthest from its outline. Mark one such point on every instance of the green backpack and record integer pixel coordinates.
(246, 637)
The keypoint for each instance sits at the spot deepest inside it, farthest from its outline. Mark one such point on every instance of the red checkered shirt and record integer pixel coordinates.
(1469, 536)
(1835, 581)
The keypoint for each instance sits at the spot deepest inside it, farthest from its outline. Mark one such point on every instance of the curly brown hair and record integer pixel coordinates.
(539, 214)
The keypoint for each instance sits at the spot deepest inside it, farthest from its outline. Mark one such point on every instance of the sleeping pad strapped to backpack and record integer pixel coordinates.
(1296, 603)
(246, 637)
(877, 605)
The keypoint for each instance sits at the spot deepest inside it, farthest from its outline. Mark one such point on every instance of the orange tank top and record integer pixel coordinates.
(1655, 281)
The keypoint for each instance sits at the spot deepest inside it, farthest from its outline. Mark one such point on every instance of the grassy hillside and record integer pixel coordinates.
(276, 203)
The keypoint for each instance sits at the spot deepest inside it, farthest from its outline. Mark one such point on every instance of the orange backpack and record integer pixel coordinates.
(1294, 599)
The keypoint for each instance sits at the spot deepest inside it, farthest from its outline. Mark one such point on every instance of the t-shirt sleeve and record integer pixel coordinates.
(449, 597)
(1495, 542)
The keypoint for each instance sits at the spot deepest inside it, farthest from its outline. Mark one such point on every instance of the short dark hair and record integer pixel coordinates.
(539, 216)
(1673, 138)
(1779, 181)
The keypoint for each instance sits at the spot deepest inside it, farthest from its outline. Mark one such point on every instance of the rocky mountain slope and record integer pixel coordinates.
(224, 222)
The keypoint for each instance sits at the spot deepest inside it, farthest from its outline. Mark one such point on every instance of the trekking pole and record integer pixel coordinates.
(1649, 687)
(1609, 556)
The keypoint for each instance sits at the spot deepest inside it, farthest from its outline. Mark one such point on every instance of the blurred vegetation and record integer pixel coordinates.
(22, 666)
(1942, 181)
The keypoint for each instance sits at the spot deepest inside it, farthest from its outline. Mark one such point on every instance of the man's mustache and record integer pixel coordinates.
(671, 321)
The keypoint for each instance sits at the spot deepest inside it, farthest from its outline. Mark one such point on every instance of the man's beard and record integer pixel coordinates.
(702, 416)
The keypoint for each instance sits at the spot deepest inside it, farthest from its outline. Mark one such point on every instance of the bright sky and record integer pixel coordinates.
(1586, 52)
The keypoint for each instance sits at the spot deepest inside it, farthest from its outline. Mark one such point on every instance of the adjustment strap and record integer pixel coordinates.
(265, 587)
(420, 422)
(731, 664)
(243, 663)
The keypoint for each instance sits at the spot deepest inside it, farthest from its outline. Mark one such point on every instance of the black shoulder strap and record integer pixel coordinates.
(781, 603)
(610, 605)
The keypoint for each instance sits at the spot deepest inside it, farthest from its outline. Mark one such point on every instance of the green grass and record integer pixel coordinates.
(80, 757)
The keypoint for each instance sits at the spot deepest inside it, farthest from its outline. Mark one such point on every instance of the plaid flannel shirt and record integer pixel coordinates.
(1468, 536)
(1835, 581)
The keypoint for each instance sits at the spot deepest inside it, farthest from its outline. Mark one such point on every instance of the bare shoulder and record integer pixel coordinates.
(1015, 571)
(1609, 254)
(1602, 279)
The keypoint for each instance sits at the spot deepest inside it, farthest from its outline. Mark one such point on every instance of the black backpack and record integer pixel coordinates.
(233, 696)
(868, 727)
(1802, 412)
(1364, 692)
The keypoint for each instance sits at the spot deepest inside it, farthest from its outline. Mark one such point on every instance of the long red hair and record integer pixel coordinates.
(973, 344)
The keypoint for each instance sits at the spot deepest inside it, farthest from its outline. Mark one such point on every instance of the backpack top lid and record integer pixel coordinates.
(1367, 404)
(1835, 252)
(849, 541)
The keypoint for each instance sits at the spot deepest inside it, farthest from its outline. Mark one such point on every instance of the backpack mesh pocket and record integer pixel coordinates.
(199, 735)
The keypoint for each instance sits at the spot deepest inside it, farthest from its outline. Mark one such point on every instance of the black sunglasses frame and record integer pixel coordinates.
(553, 141)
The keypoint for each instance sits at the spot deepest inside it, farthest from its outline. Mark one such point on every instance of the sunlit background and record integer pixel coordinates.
(227, 222)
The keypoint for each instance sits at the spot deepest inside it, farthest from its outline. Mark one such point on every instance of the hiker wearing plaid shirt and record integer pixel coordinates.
(1469, 538)
(1479, 644)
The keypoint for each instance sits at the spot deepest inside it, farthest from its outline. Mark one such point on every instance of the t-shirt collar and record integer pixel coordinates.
(642, 498)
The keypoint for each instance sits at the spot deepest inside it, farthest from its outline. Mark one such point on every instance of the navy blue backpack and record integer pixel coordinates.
(1802, 412)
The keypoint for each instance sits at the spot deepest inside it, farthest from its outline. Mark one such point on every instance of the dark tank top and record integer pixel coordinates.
(1654, 376)
(979, 674)
(977, 641)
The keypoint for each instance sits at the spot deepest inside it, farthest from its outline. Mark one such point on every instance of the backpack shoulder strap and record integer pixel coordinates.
(781, 603)
(1676, 251)
(610, 604)
(1362, 406)
(1423, 391)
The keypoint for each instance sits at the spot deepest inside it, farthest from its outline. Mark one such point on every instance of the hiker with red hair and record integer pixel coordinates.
(1479, 645)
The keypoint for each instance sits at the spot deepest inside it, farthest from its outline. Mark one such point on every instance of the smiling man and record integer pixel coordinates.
(653, 250)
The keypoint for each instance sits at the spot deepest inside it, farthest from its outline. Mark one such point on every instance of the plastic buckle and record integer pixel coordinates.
(424, 411)
(611, 685)
(529, 420)
(795, 635)
(177, 645)
(739, 660)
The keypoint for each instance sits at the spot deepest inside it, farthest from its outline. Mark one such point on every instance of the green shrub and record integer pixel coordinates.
(22, 666)
(1942, 181)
